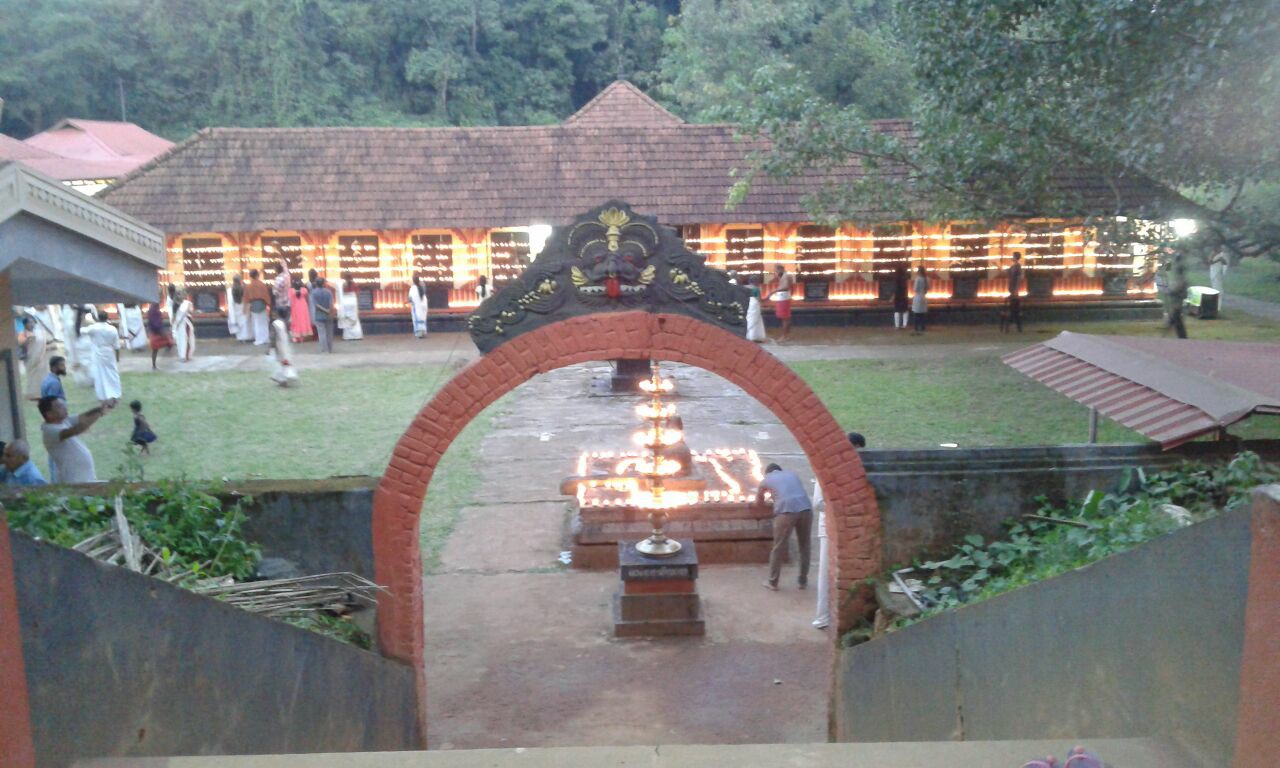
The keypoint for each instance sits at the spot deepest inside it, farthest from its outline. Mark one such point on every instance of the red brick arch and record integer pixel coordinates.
(853, 520)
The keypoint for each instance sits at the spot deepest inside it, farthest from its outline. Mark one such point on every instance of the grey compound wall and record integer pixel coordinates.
(1144, 643)
(122, 664)
(932, 499)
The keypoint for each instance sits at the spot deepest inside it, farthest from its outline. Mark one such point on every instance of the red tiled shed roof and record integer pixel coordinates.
(1170, 390)
(94, 149)
(620, 145)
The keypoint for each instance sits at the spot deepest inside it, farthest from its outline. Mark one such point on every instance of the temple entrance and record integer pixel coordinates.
(518, 646)
(612, 285)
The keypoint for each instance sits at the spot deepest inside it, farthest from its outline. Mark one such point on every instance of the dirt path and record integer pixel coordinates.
(518, 647)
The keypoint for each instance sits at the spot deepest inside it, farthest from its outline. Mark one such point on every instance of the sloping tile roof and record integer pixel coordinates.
(622, 105)
(1170, 390)
(61, 168)
(98, 148)
(621, 145)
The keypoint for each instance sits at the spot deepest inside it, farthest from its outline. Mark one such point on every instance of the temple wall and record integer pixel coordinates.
(850, 261)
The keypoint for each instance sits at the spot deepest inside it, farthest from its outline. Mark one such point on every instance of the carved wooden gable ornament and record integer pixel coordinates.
(609, 259)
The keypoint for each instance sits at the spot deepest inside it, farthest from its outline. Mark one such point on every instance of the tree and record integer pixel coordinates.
(1012, 91)
(842, 52)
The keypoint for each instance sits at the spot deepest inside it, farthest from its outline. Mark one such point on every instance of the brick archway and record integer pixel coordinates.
(853, 519)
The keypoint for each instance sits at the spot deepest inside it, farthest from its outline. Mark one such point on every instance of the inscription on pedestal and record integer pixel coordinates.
(637, 567)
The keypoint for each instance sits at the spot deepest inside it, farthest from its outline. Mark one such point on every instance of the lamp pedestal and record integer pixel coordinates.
(658, 597)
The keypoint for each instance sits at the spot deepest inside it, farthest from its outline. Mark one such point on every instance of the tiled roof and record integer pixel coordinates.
(622, 105)
(61, 168)
(621, 145)
(98, 148)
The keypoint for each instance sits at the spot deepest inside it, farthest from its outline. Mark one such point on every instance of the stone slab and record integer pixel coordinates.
(657, 627)
(675, 607)
(659, 587)
(605, 556)
(1129, 753)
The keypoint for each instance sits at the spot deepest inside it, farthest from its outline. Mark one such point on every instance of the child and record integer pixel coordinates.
(142, 434)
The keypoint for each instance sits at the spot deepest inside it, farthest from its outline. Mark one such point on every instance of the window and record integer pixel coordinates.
(891, 248)
(433, 258)
(358, 254)
(202, 263)
(744, 252)
(1045, 249)
(969, 250)
(817, 252)
(691, 234)
(508, 255)
(287, 248)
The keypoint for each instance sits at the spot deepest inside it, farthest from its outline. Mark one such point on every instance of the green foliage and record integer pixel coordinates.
(1103, 524)
(728, 57)
(338, 627)
(1006, 91)
(187, 523)
(181, 65)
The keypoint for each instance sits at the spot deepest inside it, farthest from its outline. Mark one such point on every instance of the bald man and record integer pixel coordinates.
(16, 466)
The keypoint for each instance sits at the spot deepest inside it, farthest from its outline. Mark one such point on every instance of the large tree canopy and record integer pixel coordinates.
(1009, 91)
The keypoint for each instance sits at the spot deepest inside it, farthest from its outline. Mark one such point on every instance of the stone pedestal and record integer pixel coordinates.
(627, 375)
(658, 597)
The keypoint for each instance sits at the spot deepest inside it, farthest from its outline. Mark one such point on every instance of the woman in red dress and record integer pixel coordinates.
(299, 313)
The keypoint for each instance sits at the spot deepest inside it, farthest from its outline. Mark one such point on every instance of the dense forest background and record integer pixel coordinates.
(174, 66)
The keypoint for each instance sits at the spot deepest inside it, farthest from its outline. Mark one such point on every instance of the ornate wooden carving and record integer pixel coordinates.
(609, 259)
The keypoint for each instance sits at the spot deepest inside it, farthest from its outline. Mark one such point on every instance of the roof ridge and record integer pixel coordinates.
(181, 146)
(621, 84)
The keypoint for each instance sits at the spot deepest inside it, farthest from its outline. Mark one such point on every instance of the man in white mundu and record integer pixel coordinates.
(257, 303)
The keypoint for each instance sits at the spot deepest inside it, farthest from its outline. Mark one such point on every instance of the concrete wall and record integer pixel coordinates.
(323, 526)
(122, 664)
(1146, 643)
(930, 500)
(1258, 723)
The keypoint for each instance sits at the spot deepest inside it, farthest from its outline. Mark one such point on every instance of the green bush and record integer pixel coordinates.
(186, 523)
(1034, 548)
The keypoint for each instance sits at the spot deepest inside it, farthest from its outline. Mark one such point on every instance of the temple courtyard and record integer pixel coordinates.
(518, 644)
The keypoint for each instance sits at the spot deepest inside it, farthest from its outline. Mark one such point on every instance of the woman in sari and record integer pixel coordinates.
(418, 307)
(299, 311)
(349, 309)
(184, 330)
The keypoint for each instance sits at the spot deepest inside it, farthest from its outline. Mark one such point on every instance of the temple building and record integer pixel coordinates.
(454, 204)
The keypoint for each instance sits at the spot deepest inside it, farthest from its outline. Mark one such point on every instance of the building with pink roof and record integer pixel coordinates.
(86, 154)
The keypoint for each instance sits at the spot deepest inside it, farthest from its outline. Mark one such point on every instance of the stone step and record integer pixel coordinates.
(1117, 753)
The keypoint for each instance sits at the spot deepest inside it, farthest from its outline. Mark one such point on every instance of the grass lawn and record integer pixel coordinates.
(1233, 326)
(237, 425)
(971, 401)
(1255, 278)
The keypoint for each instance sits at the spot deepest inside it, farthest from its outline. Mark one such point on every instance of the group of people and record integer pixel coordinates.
(793, 510)
(79, 344)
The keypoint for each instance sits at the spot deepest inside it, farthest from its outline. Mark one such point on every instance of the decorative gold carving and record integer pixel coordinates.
(614, 219)
(578, 276)
(647, 275)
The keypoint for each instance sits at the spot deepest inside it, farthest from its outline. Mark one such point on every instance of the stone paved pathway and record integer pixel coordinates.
(1269, 310)
(518, 647)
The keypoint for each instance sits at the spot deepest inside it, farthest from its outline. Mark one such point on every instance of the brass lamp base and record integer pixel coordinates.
(658, 546)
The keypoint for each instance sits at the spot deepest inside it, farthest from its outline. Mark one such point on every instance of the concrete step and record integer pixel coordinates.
(1118, 753)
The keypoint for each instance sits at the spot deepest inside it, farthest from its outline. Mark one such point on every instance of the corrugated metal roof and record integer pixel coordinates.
(1170, 390)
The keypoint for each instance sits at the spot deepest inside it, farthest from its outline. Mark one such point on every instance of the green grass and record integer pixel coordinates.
(238, 425)
(1255, 278)
(1233, 326)
(971, 401)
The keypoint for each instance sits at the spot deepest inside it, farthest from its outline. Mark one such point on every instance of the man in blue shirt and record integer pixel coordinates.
(16, 466)
(792, 510)
(52, 384)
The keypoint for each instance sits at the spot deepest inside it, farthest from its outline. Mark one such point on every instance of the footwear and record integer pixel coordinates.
(770, 586)
(803, 585)
(819, 625)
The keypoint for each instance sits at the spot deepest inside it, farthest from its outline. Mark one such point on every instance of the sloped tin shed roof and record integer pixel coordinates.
(1170, 390)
